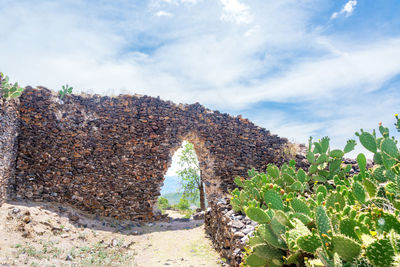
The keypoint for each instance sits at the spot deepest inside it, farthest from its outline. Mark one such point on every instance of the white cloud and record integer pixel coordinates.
(192, 52)
(283, 125)
(190, 1)
(355, 68)
(235, 11)
(163, 14)
(347, 9)
(339, 118)
(194, 57)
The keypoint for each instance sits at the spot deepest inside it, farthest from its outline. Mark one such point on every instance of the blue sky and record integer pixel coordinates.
(297, 68)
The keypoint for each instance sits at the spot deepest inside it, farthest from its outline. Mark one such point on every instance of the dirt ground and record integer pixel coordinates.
(44, 234)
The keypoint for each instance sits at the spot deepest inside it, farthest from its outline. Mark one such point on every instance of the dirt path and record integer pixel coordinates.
(42, 234)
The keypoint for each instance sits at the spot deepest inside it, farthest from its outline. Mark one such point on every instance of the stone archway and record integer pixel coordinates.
(108, 156)
(206, 163)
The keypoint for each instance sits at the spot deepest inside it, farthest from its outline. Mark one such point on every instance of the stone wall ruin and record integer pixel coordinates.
(109, 155)
(8, 144)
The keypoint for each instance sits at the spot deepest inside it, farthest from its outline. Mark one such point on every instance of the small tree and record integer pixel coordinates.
(190, 175)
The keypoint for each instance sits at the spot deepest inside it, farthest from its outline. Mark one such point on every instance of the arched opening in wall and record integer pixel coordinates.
(183, 188)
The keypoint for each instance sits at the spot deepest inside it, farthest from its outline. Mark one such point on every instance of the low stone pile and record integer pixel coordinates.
(228, 230)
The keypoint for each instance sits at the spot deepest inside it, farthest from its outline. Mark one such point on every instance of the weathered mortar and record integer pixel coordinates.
(109, 155)
(8, 148)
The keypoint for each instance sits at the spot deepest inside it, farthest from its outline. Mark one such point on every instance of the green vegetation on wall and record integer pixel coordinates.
(65, 91)
(324, 216)
(9, 90)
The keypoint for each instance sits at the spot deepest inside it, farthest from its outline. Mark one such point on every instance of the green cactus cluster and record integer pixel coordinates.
(324, 216)
(9, 90)
(66, 90)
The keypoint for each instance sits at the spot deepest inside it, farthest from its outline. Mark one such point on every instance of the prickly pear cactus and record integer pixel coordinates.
(323, 216)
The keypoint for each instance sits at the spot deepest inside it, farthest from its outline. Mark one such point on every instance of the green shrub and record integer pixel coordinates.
(323, 216)
(183, 203)
(8, 90)
(163, 203)
(188, 213)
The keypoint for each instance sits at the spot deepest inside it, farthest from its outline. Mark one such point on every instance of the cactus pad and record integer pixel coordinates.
(381, 192)
(322, 220)
(335, 165)
(335, 198)
(281, 217)
(297, 186)
(303, 218)
(362, 162)
(396, 169)
(256, 240)
(379, 175)
(347, 248)
(358, 192)
(389, 148)
(268, 252)
(322, 158)
(298, 230)
(390, 175)
(370, 187)
(322, 189)
(288, 178)
(277, 227)
(349, 146)
(273, 171)
(300, 206)
(255, 261)
(301, 175)
(337, 153)
(309, 243)
(257, 215)
(389, 153)
(347, 228)
(388, 222)
(368, 141)
(378, 158)
(270, 237)
(380, 253)
(362, 262)
(273, 197)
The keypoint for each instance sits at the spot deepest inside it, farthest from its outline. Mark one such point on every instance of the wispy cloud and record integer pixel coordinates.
(235, 11)
(190, 54)
(356, 68)
(162, 13)
(227, 54)
(347, 9)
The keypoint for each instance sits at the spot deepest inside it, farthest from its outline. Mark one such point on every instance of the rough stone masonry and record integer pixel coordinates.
(8, 144)
(109, 155)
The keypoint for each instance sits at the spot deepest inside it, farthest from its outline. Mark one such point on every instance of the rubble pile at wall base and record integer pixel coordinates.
(108, 155)
(8, 146)
(228, 230)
